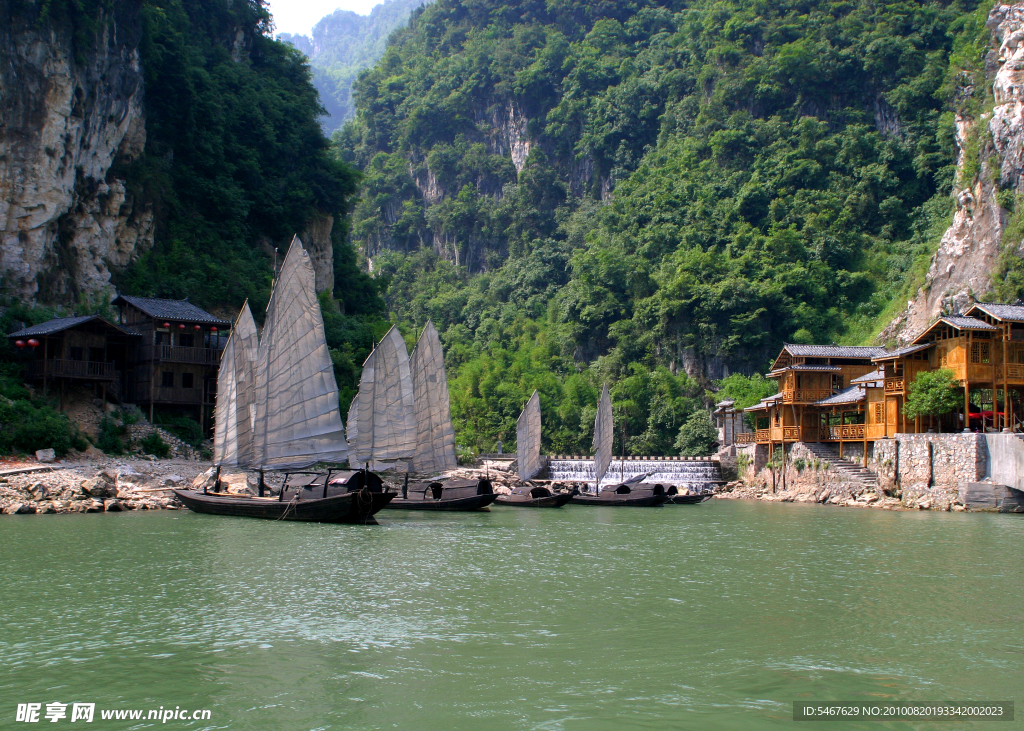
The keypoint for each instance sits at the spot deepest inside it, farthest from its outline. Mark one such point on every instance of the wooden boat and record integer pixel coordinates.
(457, 495)
(335, 497)
(636, 495)
(674, 498)
(277, 410)
(534, 496)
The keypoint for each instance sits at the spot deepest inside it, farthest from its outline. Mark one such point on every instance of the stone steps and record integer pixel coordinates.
(848, 468)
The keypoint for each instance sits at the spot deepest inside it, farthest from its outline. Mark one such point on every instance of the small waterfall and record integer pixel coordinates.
(695, 475)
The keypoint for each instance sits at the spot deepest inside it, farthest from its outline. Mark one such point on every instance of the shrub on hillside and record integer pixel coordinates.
(111, 439)
(25, 427)
(156, 446)
(186, 429)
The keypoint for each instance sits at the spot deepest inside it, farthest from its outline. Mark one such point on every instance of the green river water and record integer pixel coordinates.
(715, 616)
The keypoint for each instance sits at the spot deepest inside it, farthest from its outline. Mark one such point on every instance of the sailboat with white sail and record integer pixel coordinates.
(528, 494)
(633, 493)
(433, 443)
(287, 420)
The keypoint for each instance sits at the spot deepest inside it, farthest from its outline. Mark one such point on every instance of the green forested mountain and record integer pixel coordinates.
(341, 45)
(593, 191)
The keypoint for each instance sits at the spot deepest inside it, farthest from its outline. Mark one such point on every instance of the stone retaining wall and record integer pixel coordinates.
(920, 464)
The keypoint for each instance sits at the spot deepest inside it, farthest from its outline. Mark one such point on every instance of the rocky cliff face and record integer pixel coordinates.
(70, 116)
(961, 270)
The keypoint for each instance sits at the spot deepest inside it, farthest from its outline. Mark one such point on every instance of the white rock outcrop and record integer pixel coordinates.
(70, 115)
(962, 267)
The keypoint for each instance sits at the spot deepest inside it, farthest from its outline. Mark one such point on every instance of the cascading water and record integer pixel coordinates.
(697, 476)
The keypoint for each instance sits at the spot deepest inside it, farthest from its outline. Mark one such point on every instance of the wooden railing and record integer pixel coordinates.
(762, 435)
(895, 385)
(180, 354)
(55, 368)
(1013, 370)
(805, 395)
(747, 437)
(844, 431)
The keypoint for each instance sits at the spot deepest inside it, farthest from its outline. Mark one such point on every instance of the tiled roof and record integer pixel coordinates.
(900, 352)
(869, 377)
(727, 402)
(1013, 313)
(834, 351)
(765, 403)
(850, 395)
(802, 367)
(177, 310)
(60, 324)
(967, 323)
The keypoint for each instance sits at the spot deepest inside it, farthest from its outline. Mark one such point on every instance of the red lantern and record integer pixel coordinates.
(213, 329)
(198, 327)
(167, 324)
(181, 327)
(19, 343)
(33, 343)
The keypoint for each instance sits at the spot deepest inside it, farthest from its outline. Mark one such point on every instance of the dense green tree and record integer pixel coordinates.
(933, 393)
(698, 437)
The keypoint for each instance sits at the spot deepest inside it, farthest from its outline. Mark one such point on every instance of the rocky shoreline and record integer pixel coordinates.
(842, 495)
(90, 487)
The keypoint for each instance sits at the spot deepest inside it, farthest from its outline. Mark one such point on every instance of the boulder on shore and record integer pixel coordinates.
(46, 455)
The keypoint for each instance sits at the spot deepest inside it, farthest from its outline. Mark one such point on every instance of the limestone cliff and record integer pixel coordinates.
(963, 266)
(70, 115)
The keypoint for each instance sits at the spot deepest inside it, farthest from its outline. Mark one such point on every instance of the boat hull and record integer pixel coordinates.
(619, 501)
(472, 502)
(688, 499)
(521, 501)
(349, 507)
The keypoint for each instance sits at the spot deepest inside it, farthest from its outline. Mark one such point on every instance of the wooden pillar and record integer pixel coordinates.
(967, 405)
(1006, 378)
(46, 353)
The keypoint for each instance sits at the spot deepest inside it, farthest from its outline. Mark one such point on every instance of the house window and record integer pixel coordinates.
(879, 413)
(162, 338)
(837, 382)
(76, 354)
(981, 353)
(96, 355)
(898, 367)
(167, 379)
(187, 380)
(185, 340)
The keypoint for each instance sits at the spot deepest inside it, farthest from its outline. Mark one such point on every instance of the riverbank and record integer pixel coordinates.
(95, 486)
(843, 494)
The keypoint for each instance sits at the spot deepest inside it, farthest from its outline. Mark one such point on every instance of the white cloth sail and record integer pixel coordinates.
(351, 429)
(298, 422)
(603, 433)
(232, 426)
(435, 437)
(385, 421)
(528, 439)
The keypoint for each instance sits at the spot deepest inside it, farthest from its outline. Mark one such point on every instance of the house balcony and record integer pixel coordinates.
(83, 369)
(1014, 372)
(805, 395)
(851, 432)
(895, 385)
(179, 354)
